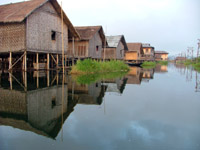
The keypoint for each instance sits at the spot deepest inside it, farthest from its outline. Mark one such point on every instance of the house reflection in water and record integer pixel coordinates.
(116, 86)
(134, 76)
(137, 75)
(161, 68)
(40, 110)
(86, 94)
(147, 74)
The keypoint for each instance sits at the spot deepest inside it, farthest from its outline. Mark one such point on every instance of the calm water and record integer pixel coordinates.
(148, 109)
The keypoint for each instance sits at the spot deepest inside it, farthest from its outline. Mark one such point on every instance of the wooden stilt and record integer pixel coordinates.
(25, 62)
(10, 61)
(48, 61)
(57, 60)
(37, 61)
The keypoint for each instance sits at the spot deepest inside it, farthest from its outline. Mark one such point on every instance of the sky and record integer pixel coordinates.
(168, 25)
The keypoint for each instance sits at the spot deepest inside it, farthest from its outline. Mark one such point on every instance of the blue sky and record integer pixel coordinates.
(170, 25)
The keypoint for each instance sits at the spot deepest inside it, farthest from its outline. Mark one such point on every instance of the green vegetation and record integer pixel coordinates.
(89, 66)
(148, 65)
(92, 78)
(195, 63)
(162, 62)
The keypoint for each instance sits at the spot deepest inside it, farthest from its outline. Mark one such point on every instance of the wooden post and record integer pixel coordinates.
(25, 62)
(57, 61)
(10, 61)
(37, 61)
(48, 61)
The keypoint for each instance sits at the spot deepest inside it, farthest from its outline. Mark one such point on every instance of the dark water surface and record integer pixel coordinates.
(148, 109)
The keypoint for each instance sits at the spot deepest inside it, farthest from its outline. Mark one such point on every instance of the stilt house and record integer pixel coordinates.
(91, 43)
(149, 52)
(31, 33)
(116, 47)
(161, 55)
(134, 52)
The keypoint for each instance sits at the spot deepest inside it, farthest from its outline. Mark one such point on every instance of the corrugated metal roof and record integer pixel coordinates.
(113, 41)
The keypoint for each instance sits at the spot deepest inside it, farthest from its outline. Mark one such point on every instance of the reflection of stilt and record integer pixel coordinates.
(10, 79)
(197, 83)
(57, 77)
(48, 80)
(25, 80)
(13, 77)
(38, 84)
(63, 102)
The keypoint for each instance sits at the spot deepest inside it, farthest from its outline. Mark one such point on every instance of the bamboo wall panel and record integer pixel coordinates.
(131, 56)
(80, 49)
(13, 102)
(12, 37)
(40, 25)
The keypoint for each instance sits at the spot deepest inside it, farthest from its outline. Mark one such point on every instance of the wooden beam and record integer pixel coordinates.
(54, 59)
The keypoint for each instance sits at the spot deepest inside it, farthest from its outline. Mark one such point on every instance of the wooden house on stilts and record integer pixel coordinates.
(91, 43)
(31, 34)
(116, 48)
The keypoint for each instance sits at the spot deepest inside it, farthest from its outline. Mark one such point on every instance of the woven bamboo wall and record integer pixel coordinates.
(40, 25)
(13, 102)
(12, 37)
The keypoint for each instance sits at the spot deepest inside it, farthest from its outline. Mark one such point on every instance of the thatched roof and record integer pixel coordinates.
(18, 12)
(87, 32)
(113, 41)
(135, 47)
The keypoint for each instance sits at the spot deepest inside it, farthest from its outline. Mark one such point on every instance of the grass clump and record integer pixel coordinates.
(89, 66)
(149, 65)
(162, 62)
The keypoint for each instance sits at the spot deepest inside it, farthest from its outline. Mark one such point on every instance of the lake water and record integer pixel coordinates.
(147, 109)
